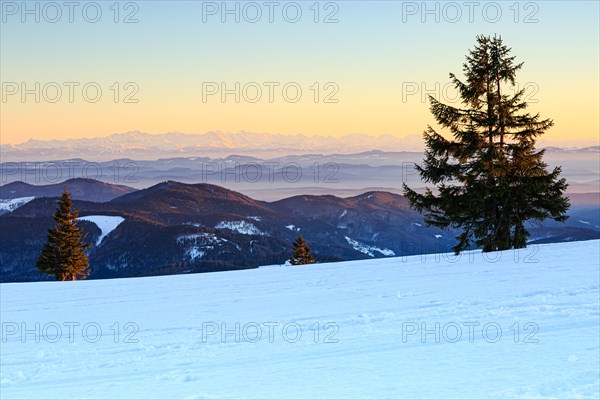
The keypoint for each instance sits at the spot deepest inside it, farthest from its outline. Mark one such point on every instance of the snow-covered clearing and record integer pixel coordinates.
(105, 223)
(199, 244)
(368, 250)
(243, 227)
(512, 325)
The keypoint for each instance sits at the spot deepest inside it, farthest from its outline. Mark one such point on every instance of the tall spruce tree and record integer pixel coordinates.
(63, 256)
(302, 253)
(490, 179)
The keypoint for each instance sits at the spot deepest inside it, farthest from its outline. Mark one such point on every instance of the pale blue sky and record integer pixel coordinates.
(370, 52)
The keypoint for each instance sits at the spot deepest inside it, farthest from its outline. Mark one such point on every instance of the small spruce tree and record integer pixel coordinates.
(64, 254)
(302, 253)
(490, 178)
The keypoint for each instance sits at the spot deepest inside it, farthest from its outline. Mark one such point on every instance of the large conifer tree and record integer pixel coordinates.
(489, 177)
(63, 256)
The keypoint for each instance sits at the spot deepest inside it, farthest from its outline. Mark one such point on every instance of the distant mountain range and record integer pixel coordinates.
(174, 227)
(275, 177)
(144, 146)
(141, 145)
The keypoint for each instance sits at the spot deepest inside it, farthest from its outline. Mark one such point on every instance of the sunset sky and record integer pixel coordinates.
(379, 57)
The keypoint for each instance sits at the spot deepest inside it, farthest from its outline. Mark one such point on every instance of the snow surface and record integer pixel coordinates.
(368, 250)
(243, 227)
(196, 224)
(12, 204)
(199, 244)
(106, 224)
(364, 311)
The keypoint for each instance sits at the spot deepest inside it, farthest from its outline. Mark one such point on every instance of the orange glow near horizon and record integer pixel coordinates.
(361, 65)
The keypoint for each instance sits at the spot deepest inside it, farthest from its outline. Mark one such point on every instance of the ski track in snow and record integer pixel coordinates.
(554, 286)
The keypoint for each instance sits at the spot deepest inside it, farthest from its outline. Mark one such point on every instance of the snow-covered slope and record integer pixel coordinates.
(9, 205)
(368, 331)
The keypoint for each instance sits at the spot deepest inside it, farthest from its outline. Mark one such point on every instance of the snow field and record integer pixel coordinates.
(384, 328)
